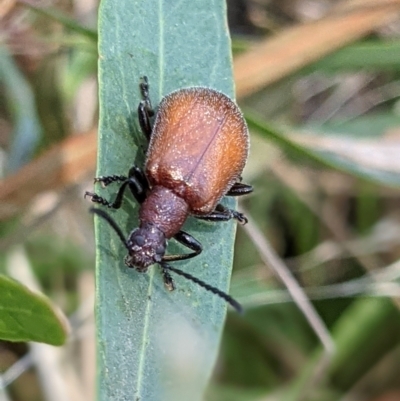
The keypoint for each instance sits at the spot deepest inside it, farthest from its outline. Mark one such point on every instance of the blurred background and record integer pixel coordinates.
(319, 83)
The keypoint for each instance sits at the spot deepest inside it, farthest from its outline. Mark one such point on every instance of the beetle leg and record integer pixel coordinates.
(102, 201)
(145, 109)
(221, 213)
(190, 242)
(138, 183)
(138, 174)
(239, 189)
(134, 185)
(107, 180)
(168, 281)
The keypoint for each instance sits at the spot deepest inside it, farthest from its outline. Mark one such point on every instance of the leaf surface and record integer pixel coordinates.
(28, 316)
(155, 344)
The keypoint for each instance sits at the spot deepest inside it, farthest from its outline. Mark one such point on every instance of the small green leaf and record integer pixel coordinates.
(28, 316)
(155, 344)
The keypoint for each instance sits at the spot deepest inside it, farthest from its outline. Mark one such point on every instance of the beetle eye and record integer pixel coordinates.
(160, 250)
(139, 240)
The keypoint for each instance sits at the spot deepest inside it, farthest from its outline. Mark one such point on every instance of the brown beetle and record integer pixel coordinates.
(198, 148)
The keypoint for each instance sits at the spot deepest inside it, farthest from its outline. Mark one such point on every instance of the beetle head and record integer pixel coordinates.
(146, 246)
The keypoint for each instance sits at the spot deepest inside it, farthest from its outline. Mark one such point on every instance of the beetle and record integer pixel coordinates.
(198, 147)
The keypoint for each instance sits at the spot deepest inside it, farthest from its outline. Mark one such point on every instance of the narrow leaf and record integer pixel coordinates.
(155, 344)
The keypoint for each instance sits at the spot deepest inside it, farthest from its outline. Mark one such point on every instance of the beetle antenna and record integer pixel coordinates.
(235, 304)
(111, 222)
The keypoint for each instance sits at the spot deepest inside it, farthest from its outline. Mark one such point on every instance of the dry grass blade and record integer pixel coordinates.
(271, 259)
(64, 164)
(385, 149)
(301, 45)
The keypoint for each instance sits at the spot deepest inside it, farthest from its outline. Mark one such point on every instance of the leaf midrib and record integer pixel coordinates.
(145, 333)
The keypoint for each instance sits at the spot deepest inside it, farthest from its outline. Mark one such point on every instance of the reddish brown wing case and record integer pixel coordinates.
(198, 147)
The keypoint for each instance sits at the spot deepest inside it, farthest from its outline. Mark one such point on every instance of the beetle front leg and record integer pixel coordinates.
(107, 180)
(190, 242)
(145, 109)
(139, 185)
(102, 201)
(136, 181)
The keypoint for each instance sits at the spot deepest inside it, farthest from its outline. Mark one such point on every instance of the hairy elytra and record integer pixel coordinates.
(198, 147)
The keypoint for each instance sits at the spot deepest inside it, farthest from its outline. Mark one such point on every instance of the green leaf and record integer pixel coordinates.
(370, 56)
(155, 344)
(365, 331)
(28, 316)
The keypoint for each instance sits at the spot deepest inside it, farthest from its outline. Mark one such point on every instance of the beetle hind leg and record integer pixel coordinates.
(222, 213)
(239, 189)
